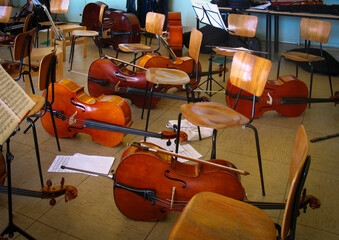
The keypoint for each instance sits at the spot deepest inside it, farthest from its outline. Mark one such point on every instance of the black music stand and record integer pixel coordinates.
(11, 227)
(209, 14)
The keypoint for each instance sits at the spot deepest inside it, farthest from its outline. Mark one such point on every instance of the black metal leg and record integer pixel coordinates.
(259, 157)
(177, 142)
(278, 72)
(214, 144)
(311, 84)
(71, 56)
(54, 127)
(99, 46)
(144, 103)
(149, 109)
(37, 153)
(11, 227)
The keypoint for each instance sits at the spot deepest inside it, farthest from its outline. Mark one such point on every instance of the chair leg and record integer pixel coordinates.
(188, 101)
(54, 127)
(36, 150)
(311, 84)
(71, 54)
(144, 103)
(279, 66)
(99, 46)
(259, 157)
(214, 144)
(149, 109)
(330, 79)
(36, 119)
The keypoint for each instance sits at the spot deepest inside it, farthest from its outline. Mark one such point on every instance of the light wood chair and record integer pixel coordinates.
(240, 25)
(213, 216)
(88, 33)
(311, 30)
(57, 7)
(154, 25)
(248, 73)
(167, 76)
(43, 104)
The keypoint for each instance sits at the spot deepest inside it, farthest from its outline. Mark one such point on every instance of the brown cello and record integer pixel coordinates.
(72, 106)
(287, 95)
(149, 185)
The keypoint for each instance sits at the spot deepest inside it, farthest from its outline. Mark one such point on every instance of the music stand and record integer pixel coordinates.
(209, 14)
(11, 227)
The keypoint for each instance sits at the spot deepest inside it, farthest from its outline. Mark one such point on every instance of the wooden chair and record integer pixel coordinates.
(154, 25)
(46, 77)
(240, 25)
(166, 76)
(56, 7)
(315, 31)
(213, 216)
(23, 44)
(88, 33)
(248, 73)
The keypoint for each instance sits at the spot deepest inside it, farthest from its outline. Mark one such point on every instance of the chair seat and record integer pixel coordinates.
(135, 47)
(213, 115)
(168, 76)
(39, 103)
(302, 57)
(85, 33)
(213, 216)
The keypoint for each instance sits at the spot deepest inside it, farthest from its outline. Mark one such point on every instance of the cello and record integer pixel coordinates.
(150, 183)
(46, 192)
(118, 26)
(72, 106)
(175, 32)
(109, 76)
(287, 95)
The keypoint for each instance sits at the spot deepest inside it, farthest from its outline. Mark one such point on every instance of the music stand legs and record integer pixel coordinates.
(210, 79)
(11, 227)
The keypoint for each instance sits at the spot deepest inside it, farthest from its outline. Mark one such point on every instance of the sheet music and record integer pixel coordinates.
(185, 149)
(98, 164)
(14, 105)
(13, 95)
(208, 13)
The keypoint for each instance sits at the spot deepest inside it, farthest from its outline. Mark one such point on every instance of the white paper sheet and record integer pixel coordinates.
(97, 164)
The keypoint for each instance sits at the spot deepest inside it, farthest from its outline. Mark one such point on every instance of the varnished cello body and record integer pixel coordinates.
(184, 63)
(150, 185)
(118, 26)
(106, 76)
(72, 106)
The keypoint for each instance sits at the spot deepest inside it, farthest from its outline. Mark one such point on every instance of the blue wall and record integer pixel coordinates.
(289, 26)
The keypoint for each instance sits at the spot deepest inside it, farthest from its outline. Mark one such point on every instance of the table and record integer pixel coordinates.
(276, 14)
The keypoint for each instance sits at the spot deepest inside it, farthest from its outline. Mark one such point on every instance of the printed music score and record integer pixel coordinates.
(92, 163)
(14, 105)
(186, 149)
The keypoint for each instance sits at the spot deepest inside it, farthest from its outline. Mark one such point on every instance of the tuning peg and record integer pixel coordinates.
(49, 183)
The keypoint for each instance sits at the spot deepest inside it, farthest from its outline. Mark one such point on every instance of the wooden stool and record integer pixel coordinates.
(164, 76)
(66, 30)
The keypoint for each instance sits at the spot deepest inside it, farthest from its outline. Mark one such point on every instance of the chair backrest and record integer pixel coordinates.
(28, 23)
(298, 162)
(195, 44)
(59, 6)
(4, 2)
(242, 25)
(5, 14)
(155, 23)
(23, 44)
(102, 12)
(47, 71)
(315, 30)
(250, 72)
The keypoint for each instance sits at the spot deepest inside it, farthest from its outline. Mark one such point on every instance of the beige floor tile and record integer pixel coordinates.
(94, 215)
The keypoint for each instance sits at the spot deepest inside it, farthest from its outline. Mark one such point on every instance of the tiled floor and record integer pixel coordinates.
(94, 215)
